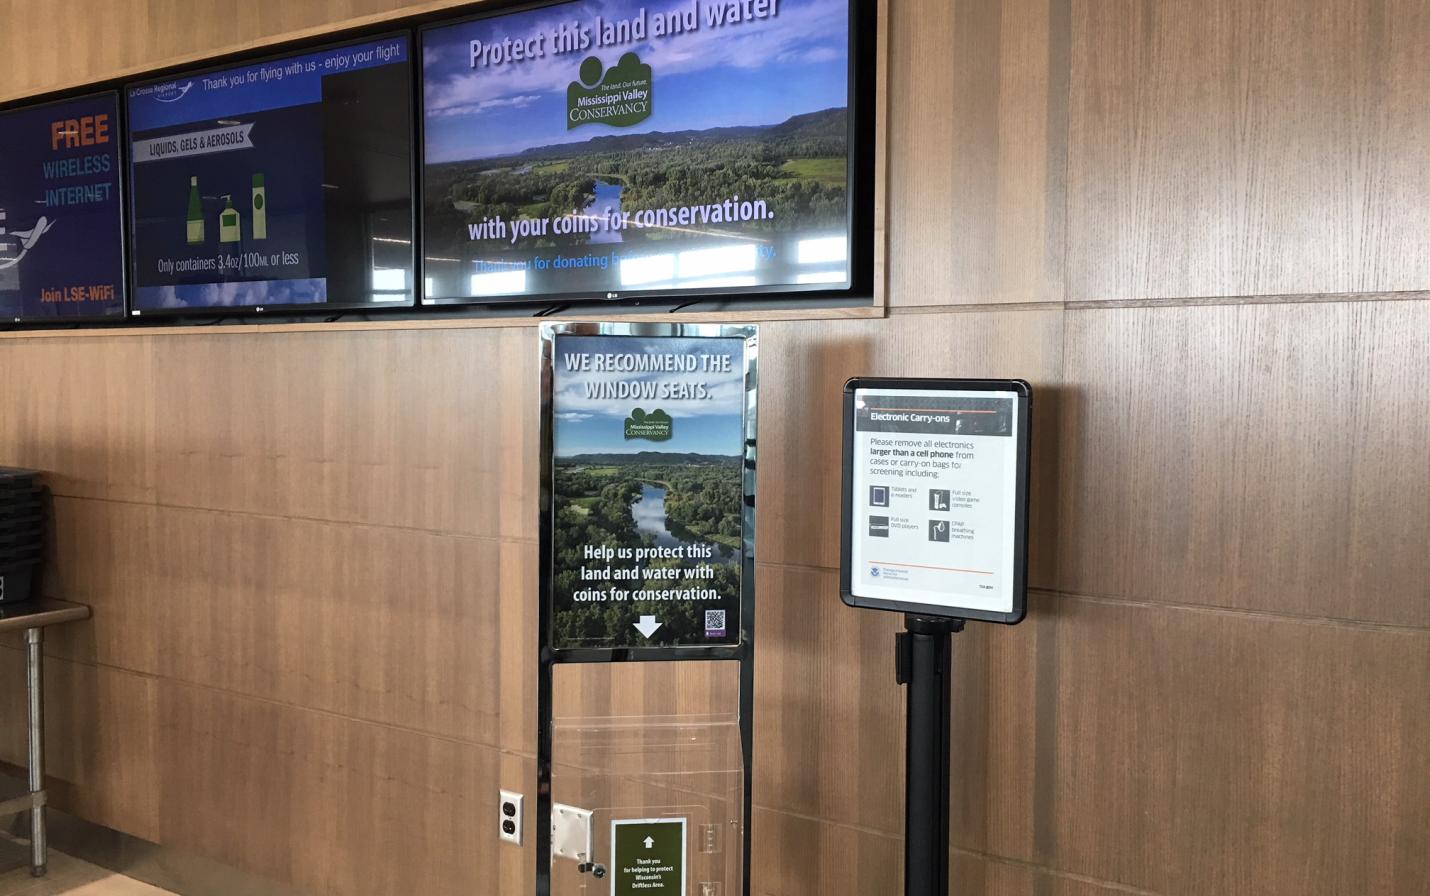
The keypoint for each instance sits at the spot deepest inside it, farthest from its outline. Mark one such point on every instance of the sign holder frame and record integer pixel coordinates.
(1024, 413)
(742, 652)
(924, 650)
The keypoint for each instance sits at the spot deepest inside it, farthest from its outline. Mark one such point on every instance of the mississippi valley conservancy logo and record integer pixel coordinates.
(653, 427)
(619, 96)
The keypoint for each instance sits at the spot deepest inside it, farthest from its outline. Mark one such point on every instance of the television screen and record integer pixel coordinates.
(61, 217)
(283, 183)
(638, 147)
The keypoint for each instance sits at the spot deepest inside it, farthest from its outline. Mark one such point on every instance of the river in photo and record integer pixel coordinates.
(649, 513)
(606, 205)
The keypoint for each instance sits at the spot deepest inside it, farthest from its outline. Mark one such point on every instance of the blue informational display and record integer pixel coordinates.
(621, 147)
(281, 183)
(61, 213)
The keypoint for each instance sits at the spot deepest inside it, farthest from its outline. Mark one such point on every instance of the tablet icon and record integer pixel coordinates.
(878, 496)
(938, 499)
(938, 530)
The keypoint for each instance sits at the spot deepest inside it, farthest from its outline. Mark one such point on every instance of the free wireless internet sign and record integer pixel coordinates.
(935, 497)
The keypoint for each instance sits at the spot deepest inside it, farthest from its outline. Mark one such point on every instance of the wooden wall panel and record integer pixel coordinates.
(66, 44)
(312, 555)
(800, 856)
(104, 752)
(387, 625)
(803, 368)
(975, 154)
(1266, 457)
(332, 805)
(1234, 148)
(84, 416)
(340, 427)
(1202, 752)
(840, 743)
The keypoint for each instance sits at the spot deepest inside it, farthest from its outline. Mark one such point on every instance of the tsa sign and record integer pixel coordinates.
(935, 492)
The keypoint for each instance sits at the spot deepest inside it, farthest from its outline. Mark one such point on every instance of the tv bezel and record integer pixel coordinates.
(272, 53)
(860, 222)
(79, 94)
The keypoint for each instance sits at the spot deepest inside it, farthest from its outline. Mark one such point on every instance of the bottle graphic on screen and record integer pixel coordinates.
(196, 213)
(260, 209)
(228, 222)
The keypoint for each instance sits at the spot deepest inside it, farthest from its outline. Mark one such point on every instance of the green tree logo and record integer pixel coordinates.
(653, 427)
(619, 96)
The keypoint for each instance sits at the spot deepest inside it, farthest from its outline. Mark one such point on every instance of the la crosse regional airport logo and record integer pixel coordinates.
(619, 96)
(172, 93)
(15, 244)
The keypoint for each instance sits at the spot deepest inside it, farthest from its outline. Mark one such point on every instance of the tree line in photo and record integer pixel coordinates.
(594, 502)
(799, 168)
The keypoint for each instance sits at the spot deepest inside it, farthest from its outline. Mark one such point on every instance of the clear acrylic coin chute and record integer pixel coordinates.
(665, 793)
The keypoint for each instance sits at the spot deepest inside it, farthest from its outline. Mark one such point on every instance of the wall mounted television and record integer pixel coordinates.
(275, 184)
(649, 149)
(61, 211)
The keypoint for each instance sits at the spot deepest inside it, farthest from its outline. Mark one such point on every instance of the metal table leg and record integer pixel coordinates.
(34, 687)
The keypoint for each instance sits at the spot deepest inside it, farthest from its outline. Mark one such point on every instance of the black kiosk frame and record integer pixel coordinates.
(923, 652)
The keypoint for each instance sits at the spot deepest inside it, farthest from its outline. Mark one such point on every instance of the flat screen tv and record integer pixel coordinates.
(61, 212)
(628, 149)
(280, 184)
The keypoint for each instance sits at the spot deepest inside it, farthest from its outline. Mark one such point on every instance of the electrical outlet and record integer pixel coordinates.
(512, 820)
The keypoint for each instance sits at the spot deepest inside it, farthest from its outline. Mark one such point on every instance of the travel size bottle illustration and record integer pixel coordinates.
(228, 222)
(196, 213)
(260, 209)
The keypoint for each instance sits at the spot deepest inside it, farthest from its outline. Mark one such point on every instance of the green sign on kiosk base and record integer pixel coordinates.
(648, 857)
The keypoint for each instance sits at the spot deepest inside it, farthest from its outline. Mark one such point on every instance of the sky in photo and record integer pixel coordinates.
(712, 425)
(756, 72)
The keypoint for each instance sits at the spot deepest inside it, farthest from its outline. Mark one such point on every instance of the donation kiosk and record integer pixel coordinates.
(646, 679)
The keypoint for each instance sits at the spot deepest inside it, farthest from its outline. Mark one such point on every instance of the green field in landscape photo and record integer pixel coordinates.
(647, 499)
(798, 168)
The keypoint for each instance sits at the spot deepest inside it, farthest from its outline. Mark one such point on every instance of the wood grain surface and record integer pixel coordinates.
(1234, 148)
(1265, 457)
(1195, 227)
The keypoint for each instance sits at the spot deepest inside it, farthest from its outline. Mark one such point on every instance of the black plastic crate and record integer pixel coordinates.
(18, 582)
(27, 521)
(22, 555)
(25, 544)
(15, 480)
(33, 502)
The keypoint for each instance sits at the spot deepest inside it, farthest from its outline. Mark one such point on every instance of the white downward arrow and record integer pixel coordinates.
(647, 625)
(649, 843)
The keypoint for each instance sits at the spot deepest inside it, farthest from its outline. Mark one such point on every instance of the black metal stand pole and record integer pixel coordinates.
(924, 653)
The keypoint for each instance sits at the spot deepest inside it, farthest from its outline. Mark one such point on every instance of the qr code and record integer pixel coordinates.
(715, 621)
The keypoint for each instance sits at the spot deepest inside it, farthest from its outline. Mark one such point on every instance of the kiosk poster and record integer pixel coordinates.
(61, 248)
(637, 145)
(647, 490)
